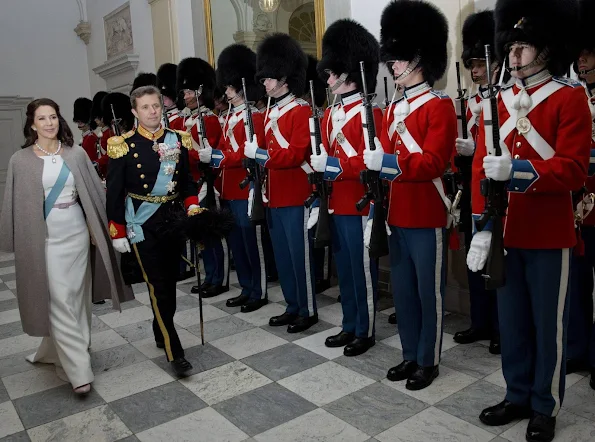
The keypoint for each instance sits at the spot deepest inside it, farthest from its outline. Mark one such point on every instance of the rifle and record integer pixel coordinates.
(461, 162)
(495, 194)
(255, 172)
(386, 100)
(371, 179)
(322, 234)
(164, 114)
(115, 122)
(207, 174)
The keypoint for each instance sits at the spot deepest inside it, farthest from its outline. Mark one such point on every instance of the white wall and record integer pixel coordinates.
(41, 55)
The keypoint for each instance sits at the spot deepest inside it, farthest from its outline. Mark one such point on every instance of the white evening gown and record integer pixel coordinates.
(69, 279)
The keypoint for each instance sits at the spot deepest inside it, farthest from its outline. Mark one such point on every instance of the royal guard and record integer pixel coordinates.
(102, 131)
(197, 77)
(82, 119)
(166, 83)
(581, 330)
(148, 185)
(416, 143)
(121, 118)
(345, 44)
(144, 79)
(478, 31)
(545, 139)
(281, 66)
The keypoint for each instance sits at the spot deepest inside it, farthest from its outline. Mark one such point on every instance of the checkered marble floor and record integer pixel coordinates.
(252, 382)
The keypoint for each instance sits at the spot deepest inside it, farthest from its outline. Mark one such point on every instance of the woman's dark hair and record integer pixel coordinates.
(64, 132)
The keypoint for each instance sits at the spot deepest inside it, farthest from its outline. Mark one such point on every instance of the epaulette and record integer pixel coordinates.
(186, 137)
(439, 94)
(117, 146)
(129, 134)
(567, 81)
(302, 102)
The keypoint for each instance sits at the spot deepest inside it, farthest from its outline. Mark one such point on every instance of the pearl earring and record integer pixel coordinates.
(35, 129)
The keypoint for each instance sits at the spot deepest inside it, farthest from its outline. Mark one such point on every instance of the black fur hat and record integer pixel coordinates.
(280, 56)
(552, 24)
(236, 62)
(144, 79)
(319, 84)
(82, 110)
(122, 109)
(344, 44)
(96, 111)
(415, 27)
(192, 73)
(166, 80)
(478, 31)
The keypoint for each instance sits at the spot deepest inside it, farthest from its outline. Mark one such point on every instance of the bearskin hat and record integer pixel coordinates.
(122, 110)
(344, 44)
(192, 73)
(236, 62)
(551, 24)
(144, 79)
(319, 84)
(166, 80)
(280, 56)
(82, 110)
(96, 111)
(586, 37)
(478, 31)
(415, 27)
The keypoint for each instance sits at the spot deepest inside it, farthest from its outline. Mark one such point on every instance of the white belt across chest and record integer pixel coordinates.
(232, 138)
(338, 129)
(272, 124)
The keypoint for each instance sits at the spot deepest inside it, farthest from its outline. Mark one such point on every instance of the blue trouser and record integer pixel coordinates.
(216, 261)
(293, 256)
(269, 257)
(533, 309)
(581, 330)
(418, 277)
(358, 275)
(483, 303)
(245, 240)
(187, 251)
(321, 261)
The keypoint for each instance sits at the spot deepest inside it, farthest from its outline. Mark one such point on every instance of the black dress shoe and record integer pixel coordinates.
(470, 335)
(321, 285)
(576, 365)
(237, 301)
(401, 371)
(214, 290)
(495, 345)
(422, 378)
(359, 346)
(284, 319)
(253, 305)
(181, 366)
(392, 319)
(592, 381)
(99, 302)
(339, 340)
(160, 344)
(302, 323)
(196, 289)
(504, 413)
(541, 428)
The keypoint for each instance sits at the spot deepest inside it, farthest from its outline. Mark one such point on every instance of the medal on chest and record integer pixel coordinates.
(523, 125)
(401, 128)
(340, 138)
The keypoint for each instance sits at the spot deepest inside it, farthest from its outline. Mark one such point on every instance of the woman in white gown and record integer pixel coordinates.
(71, 207)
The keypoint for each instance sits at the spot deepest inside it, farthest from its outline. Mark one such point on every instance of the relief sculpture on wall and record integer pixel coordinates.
(118, 32)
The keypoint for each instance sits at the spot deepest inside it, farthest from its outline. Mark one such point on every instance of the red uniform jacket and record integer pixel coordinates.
(287, 143)
(214, 135)
(590, 183)
(414, 199)
(103, 160)
(347, 155)
(89, 143)
(540, 213)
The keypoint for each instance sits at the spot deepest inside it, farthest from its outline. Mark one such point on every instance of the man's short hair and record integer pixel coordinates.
(141, 92)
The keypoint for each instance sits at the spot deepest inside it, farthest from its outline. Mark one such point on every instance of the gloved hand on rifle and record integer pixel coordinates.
(479, 250)
(368, 229)
(205, 153)
(465, 146)
(498, 168)
(373, 158)
(318, 162)
(250, 147)
(313, 218)
(121, 245)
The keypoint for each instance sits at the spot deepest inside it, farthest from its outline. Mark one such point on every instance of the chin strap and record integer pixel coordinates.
(541, 59)
(339, 82)
(410, 68)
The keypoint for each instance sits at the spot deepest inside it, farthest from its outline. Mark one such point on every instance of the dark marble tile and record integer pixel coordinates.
(221, 306)
(282, 331)
(114, 358)
(472, 359)
(323, 300)
(186, 287)
(283, 361)
(137, 331)
(9, 277)
(5, 287)
(103, 309)
(221, 328)
(56, 403)
(454, 322)
(264, 408)
(11, 329)
(383, 328)
(156, 406)
(375, 362)
(384, 408)
(186, 302)
(97, 325)
(17, 437)
(4, 264)
(132, 438)
(580, 399)
(15, 363)
(9, 304)
(384, 302)
(201, 357)
(3, 393)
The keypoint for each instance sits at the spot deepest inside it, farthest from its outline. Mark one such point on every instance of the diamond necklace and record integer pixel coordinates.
(53, 155)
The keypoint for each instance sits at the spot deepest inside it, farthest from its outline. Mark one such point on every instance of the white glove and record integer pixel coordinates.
(191, 207)
(189, 123)
(205, 153)
(368, 231)
(202, 193)
(373, 158)
(250, 200)
(121, 245)
(465, 146)
(250, 147)
(313, 218)
(498, 168)
(479, 250)
(318, 162)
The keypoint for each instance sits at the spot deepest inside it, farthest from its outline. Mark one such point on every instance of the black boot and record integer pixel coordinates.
(359, 346)
(214, 290)
(195, 288)
(504, 413)
(181, 366)
(592, 381)
(495, 345)
(339, 340)
(160, 344)
(576, 365)
(541, 428)
(302, 323)
(237, 301)
(470, 335)
(402, 371)
(254, 304)
(321, 285)
(422, 378)
(284, 319)
(392, 319)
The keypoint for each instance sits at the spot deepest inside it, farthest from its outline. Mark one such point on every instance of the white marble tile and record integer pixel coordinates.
(315, 343)
(232, 293)
(5, 295)
(43, 377)
(394, 341)
(11, 284)
(572, 379)
(132, 379)
(569, 428)
(106, 339)
(448, 382)
(325, 383)
(99, 424)
(447, 342)
(149, 349)
(127, 317)
(17, 344)
(6, 256)
(10, 420)
(333, 314)
(225, 382)
(275, 294)
(8, 316)
(248, 343)
(388, 311)
(190, 317)
(204, 425)
(317, 425)
(261, 316)
(143, 298)
(432, 424)
(497, 378)
(7, 270)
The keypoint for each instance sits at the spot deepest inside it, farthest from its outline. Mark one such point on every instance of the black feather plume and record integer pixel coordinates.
(205, 228)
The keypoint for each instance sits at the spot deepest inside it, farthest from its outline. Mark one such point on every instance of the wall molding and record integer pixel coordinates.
(119, 71)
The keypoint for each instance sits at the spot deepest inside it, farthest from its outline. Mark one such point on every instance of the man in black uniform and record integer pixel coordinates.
(148, 185)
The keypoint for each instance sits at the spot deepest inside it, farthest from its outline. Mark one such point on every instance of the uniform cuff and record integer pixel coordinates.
(487, 228)
(191, 200)
(390, 167)
(523, 176)
(116, 230)
(262, 156)
(333, 169)
(592, 163)
(217, 158)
